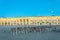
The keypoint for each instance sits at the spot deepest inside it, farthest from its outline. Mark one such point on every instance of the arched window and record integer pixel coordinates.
(58, 19)
(27, 21)
(5, 23)
(24, 21)
(8, 23)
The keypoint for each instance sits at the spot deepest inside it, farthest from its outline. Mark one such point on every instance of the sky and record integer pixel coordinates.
(18, 8)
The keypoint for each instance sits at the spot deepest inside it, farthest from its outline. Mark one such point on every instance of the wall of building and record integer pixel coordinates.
(44, 20)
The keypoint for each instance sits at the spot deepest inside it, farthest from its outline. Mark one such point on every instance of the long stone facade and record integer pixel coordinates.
(39, 20)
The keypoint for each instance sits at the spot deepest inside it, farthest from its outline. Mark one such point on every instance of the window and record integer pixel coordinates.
(58, 19)
(27, 21)
(8, 23)
(20, 21)
(5, 23)
(43, 22)
(24, 21)
(37, 22)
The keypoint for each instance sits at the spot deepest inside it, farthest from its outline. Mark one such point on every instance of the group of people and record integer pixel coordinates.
(29, 29)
